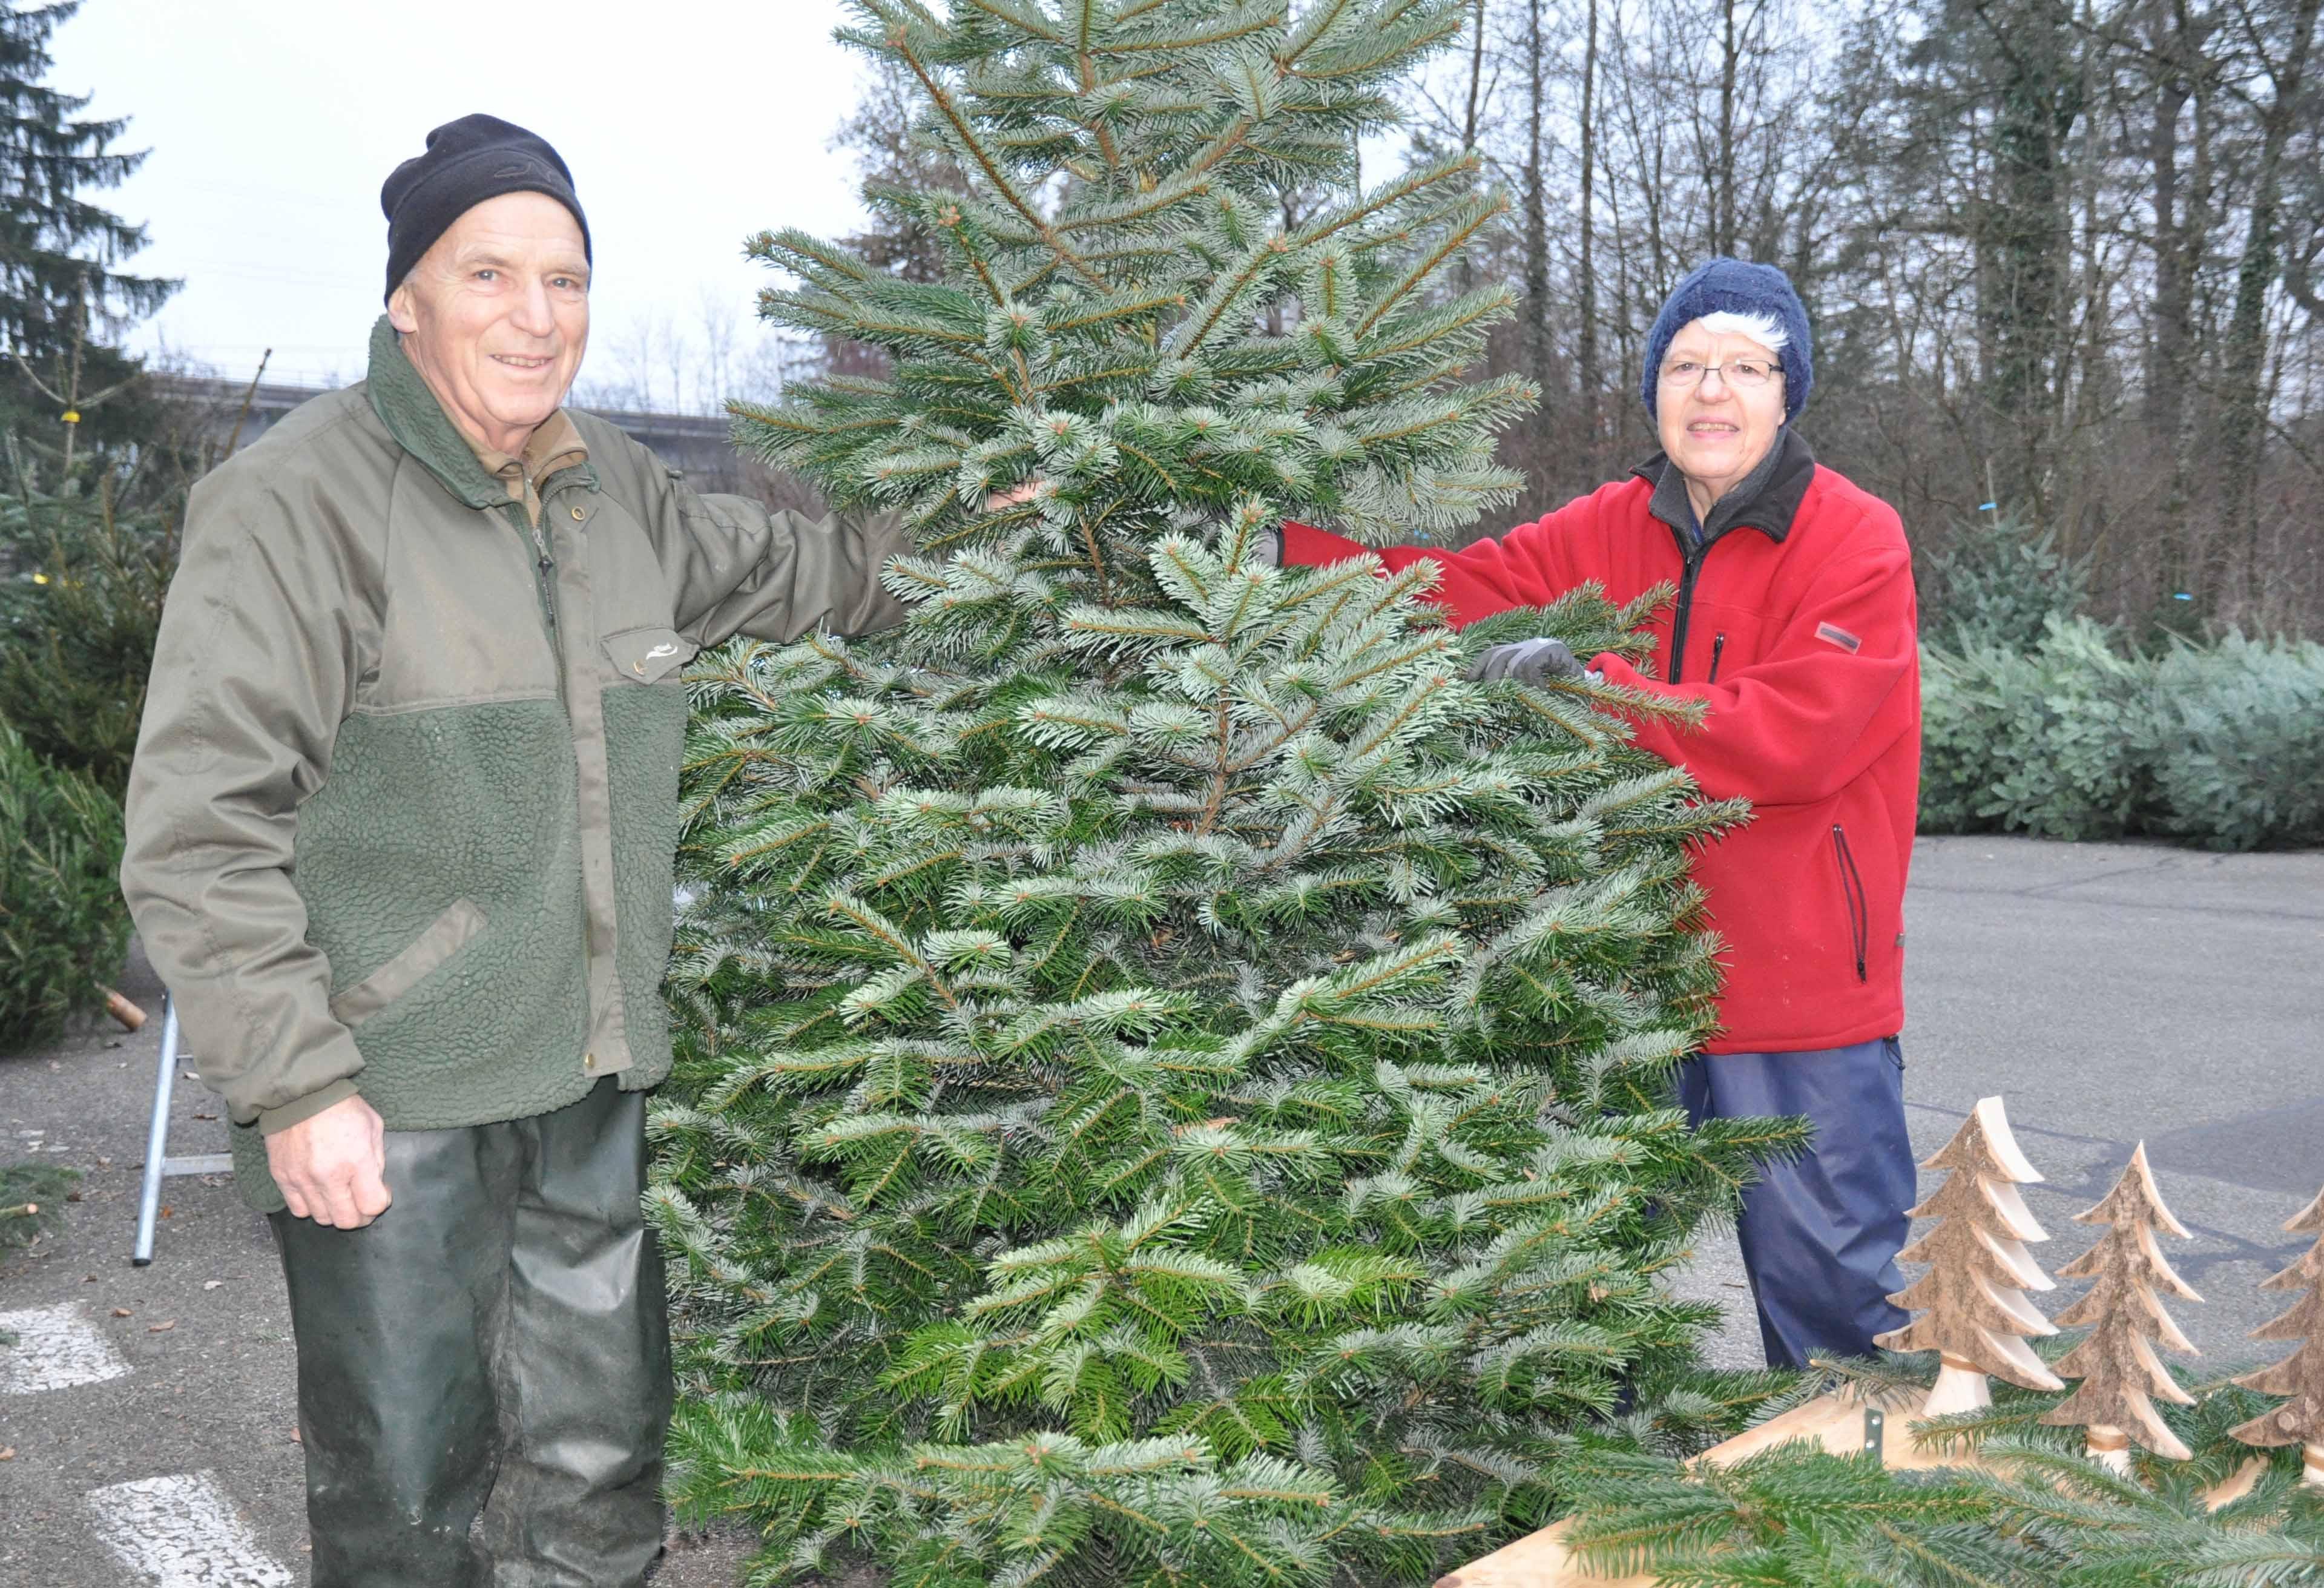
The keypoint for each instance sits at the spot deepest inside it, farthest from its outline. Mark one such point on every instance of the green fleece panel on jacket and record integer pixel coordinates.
(425, 812)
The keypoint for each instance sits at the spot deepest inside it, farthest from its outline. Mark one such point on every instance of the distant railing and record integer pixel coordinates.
(695, 443)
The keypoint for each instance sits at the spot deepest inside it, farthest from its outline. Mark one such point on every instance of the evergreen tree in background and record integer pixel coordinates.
(1175, 1080)
(62, 924)
(77, 625)
(878, 135)
(62, 297)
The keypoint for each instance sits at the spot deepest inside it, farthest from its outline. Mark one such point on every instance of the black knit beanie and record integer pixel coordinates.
(468, 161)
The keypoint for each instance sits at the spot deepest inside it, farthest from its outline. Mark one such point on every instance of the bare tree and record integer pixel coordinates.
(2061, 257)
(2279, 45)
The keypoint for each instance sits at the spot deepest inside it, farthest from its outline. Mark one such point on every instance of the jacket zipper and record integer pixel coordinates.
(544, 575)
(1689, 566)
(1718, 644)
(1691, 557)
(1859, 907)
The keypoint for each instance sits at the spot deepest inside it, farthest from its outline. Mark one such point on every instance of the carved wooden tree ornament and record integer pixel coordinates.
(2119, 1371)
(1972, 1300)
(2301, 1419)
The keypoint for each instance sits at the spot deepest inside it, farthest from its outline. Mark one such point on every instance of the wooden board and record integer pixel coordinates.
(1836, 1422)
(1540, 1560)
(1537, 1560)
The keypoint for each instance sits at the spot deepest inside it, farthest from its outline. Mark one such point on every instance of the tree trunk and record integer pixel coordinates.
(2177, 50)
(2243, 418)
(1722, 215)
(1469, 122)
(2029, 241)
(1476, 73)
(1586, 275)
(1537, 218)
(1536, 238)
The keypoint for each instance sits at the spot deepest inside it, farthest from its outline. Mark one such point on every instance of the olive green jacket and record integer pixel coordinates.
(405, 801)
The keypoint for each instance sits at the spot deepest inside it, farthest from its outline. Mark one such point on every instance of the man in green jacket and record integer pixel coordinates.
(400, 832)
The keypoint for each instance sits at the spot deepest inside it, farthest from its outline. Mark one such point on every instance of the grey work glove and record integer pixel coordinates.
(1528, 661)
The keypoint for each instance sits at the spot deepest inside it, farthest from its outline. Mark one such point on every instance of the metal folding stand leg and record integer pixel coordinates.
(157, 1139)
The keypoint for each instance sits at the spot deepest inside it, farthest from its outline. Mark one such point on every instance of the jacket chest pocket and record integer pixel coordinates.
(631, 606)
(1720, 641)
(464, 621)
(647, 654)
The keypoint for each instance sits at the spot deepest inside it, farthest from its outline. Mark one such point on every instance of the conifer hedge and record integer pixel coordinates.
(2080, 735)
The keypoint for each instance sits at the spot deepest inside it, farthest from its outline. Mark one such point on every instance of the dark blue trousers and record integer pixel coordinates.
(1821, 1235)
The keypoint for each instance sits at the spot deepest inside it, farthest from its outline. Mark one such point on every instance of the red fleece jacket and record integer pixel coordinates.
(1802, 640)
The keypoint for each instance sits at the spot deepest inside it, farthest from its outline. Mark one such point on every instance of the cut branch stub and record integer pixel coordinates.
(1972, 1302)
(2300, 1420)
(2119, 1370)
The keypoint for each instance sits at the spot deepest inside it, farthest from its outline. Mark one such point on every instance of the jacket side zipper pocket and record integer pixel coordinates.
(1859, 906)
(1718, 644)
(420, 958)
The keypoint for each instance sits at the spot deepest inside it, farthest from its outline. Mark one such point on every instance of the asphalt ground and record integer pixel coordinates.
(2110, 994)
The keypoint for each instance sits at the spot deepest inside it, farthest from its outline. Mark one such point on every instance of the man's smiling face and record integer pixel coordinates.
(495, 315)
(1715, 430)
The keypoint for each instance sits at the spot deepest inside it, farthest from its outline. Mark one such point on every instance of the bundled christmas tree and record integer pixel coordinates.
(32, 1201)
(2115, 1362)
(2300, 1420)
(1175, 1080)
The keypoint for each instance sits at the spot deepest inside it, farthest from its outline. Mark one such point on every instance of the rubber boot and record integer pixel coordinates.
(483, 1370)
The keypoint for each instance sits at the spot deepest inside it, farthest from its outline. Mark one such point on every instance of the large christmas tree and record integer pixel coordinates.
(1175, 1080)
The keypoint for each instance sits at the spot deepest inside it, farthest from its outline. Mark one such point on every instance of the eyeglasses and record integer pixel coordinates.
(1745, 375)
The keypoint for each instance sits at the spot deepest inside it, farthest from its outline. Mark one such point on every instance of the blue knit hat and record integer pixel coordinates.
(1736, 286)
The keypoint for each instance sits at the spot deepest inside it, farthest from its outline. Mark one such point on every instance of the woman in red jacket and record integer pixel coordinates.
(1795, 627)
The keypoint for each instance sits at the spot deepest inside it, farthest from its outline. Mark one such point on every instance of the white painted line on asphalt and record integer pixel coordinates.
(56, 1348)
(182, 1532)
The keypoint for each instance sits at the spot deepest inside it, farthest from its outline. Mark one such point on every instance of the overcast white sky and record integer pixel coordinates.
(689, 125)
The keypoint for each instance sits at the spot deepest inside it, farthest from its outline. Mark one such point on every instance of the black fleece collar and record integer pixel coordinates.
(1767, 499)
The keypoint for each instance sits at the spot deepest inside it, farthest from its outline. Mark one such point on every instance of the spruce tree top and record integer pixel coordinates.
(1165, 297)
